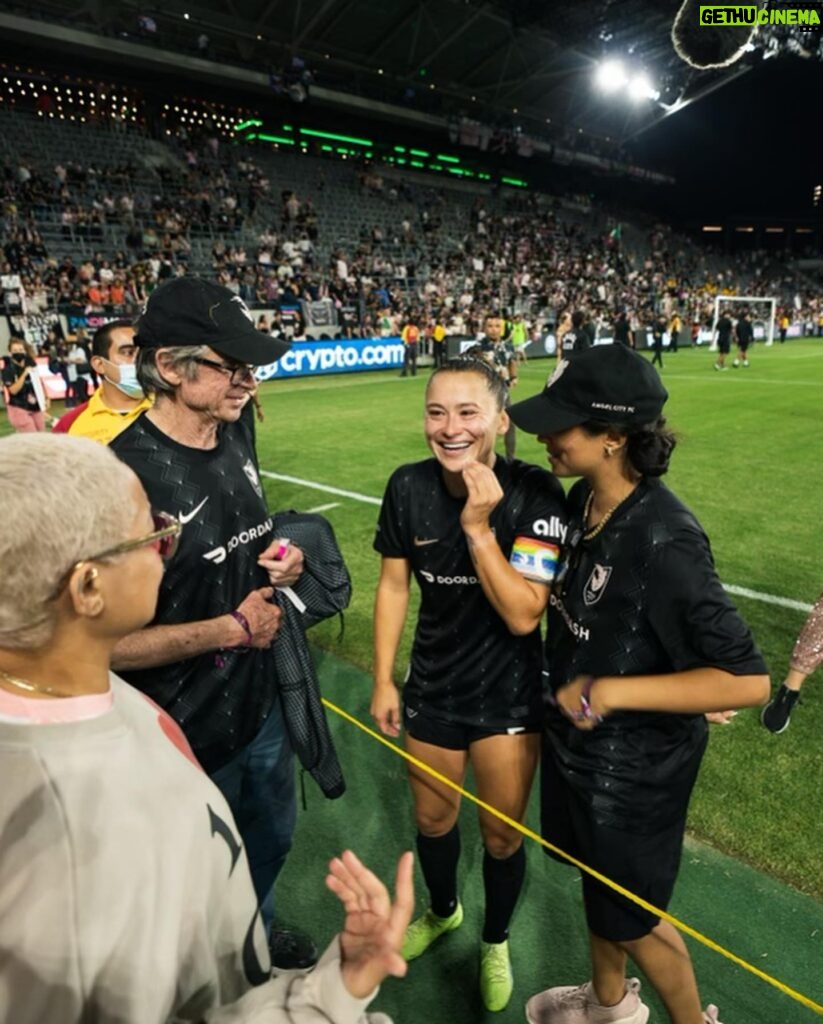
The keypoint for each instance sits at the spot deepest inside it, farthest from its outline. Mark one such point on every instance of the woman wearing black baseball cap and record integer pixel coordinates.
(642, 642)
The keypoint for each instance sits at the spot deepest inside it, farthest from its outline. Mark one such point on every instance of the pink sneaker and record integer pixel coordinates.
(570, 1004)
(710, 1015)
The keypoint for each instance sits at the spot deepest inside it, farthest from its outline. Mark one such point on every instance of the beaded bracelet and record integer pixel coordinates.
(242, 621)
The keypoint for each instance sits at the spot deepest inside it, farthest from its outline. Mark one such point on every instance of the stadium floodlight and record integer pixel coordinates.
(611, 76)
(641, 88)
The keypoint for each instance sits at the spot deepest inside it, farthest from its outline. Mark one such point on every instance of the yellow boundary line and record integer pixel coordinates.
(676, 922)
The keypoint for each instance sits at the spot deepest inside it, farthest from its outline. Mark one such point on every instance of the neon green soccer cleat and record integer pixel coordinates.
(496, 979)
(421, 933)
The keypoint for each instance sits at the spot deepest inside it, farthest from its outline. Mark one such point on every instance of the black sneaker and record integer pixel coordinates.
(776, 714)
(291, 951)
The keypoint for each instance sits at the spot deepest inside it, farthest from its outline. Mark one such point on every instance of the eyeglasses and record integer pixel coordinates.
(164, 538)
(237, 374)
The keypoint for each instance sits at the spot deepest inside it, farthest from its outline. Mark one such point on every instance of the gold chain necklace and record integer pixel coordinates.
(24, 684)
(593, 532)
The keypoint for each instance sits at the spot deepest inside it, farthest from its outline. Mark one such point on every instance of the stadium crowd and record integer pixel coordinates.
(528, 254)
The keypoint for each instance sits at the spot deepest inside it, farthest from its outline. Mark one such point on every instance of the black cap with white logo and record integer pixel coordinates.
(191, 311)
(605, 383)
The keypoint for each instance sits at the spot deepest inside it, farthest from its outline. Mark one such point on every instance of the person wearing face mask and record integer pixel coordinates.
(26, 402)
(120, 398)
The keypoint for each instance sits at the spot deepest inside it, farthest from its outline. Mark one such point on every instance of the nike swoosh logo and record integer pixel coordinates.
(420, 542)
(186, 517)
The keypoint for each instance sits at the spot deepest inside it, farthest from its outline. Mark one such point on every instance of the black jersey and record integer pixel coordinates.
(219, 699)
(642, 597)
(466, 666)
(745, 332)
(724, 328)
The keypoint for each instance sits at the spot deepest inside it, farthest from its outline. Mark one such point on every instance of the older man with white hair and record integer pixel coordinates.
(206, 656)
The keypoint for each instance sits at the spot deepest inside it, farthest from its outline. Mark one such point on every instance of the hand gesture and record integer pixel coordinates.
(484, 494)
(720, 717)
(263, 619)
(374, 927)
(385, 709)
(283, 561)
(584, 715)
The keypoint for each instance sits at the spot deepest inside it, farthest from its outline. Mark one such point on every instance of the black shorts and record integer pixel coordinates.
(744, 345)
(645, 865)
(724, 346)
(427, 728)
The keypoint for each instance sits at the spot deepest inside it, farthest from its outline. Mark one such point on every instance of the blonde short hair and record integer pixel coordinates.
(61, 500)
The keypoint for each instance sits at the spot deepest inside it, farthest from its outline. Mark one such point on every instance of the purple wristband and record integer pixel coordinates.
(241, 619)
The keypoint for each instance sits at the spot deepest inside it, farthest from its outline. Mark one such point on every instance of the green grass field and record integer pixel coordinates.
(748, 465)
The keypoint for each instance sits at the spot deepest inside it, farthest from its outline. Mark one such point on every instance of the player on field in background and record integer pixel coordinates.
(723, 335)
(744, 333)
(480, 534)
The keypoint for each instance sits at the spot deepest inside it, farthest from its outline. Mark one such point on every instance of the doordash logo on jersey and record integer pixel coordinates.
(218, 555)
(449, 581)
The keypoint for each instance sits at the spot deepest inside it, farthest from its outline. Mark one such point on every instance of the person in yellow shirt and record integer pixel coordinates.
(119, 400)
(438, 342)
(519, 337)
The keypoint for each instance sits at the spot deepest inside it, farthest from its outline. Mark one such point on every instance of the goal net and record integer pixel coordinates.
(761, 307)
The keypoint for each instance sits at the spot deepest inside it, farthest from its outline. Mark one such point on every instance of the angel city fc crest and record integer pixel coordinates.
(596, 584)
(254, 479)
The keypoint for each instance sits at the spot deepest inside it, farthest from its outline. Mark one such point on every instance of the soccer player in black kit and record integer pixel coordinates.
(642, 642)
(724, 330)
(481, 536)
(744, 333)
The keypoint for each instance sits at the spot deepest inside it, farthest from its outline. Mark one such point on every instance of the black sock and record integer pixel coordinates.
(503, 880)
(438, 862)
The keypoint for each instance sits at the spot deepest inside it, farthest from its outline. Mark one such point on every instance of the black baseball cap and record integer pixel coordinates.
(607, 383)
(191, 311)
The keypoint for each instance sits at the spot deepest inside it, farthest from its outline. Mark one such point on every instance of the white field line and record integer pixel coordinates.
(743, 378)
(324, 508)
(322, 487)
(753, 595)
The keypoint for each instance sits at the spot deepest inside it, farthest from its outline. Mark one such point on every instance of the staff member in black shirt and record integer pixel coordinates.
(642, 640)
(481, 535)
